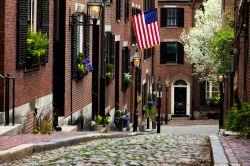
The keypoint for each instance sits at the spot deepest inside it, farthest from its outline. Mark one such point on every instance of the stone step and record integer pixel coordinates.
(1, 118)
(69, 128)
(61, 121)
(10, 130)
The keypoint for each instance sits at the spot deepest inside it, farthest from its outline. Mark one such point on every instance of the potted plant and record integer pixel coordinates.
(213, 101)
(127, 81)
(101, 122)
(109, 72)
(121, 119)
(37, 44)
(83, 66)
(150, 112)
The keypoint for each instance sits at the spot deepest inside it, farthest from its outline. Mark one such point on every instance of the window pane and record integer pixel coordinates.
(171, 17)
(171, 57)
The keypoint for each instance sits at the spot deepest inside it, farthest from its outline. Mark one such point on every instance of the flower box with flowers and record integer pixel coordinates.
(127, 81)
(37, 44)
(109, 73)
(83, 66)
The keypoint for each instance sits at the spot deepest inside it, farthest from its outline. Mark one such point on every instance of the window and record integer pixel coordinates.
(171, 52)
(125, 64)
(34, 14)
(172, 17)
(212, 89)
(148, 5)
(148, 53)
(80, 35)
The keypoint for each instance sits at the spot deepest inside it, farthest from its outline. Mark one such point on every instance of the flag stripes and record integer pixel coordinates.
(146, 29)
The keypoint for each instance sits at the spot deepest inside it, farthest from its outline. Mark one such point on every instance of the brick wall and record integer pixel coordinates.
(172, 71)
(81, 90)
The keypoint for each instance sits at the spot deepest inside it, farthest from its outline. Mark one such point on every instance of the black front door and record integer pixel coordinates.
(180, 101)
(59, 59)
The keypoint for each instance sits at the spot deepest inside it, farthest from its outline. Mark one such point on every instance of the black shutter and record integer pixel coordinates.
(163, 52)
(128, 59)
(163, 17)
(45, 23)
(180, 17)
(112, 58)
(74, 37)
(203, 93)
(118, 9)
(180, 53)
(123, 66)
(22, 30)
(86, 35)
(126, 10)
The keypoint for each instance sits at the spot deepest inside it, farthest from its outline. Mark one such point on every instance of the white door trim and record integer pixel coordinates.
(188, 97)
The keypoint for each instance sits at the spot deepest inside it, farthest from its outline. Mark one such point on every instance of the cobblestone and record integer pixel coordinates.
(152, 149)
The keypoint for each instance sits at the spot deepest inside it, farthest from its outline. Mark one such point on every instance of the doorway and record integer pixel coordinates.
(59, 59)
(180, 99)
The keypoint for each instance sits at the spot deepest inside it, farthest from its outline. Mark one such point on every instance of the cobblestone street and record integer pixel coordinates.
(151, 149)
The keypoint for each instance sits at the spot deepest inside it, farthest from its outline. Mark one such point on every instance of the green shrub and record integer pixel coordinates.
(43, 124)
(239, 120)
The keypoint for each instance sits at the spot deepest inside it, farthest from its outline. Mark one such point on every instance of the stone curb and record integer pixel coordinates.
(20, 151)
(218, 154)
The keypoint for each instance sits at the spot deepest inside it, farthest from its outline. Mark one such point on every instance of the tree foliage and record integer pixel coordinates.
(196, 40)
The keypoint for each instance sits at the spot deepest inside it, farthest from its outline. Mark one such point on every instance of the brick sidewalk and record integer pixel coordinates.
(7, 142)
(237, 150)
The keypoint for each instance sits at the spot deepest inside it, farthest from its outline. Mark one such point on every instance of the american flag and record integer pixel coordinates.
(146, 29)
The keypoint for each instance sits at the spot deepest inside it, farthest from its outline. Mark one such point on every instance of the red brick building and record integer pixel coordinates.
(54, 85)
(183, 94)
(237, 85)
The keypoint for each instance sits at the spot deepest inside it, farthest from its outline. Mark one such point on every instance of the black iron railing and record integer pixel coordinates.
(6, 97)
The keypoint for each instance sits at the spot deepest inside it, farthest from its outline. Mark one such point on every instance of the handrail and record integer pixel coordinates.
(6, 98)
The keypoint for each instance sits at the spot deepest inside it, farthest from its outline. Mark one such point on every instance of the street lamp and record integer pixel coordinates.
(137, 60)
(159, 95)
(221, 79)
(94, 9)
(167, 84)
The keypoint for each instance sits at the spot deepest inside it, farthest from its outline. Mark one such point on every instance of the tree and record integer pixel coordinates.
(196, 40)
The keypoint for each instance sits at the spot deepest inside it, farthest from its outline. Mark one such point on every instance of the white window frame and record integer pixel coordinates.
(32, 14)
(209, 89)
(80, 35)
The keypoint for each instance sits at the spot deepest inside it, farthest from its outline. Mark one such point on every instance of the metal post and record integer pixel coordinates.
(135, 124)
(166, 116)
(221, 106)
(159, 114)
(7, 81)
(13, 101)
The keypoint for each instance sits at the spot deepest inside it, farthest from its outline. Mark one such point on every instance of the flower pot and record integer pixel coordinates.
(119, 125)
(98, 127)
(32, 61)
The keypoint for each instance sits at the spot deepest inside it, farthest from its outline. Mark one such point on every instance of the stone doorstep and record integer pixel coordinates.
(10, 130)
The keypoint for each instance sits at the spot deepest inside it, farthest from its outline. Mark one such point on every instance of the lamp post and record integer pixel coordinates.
(137, 60)
(159, 95)
(167, 83)
(221, 118)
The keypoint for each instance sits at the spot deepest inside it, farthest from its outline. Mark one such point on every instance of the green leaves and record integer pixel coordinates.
(37, 43)
(220, 47)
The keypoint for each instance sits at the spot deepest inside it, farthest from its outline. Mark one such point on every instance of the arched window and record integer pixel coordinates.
(180, 82)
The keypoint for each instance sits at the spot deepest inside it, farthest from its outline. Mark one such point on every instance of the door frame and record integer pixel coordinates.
(187, 98)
